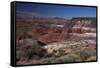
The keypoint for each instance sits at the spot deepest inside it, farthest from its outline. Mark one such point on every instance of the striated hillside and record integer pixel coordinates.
(55, 40)
(54, 29)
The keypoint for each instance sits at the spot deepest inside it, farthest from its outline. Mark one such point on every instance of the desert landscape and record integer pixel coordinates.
(47, 40)
(51, 34)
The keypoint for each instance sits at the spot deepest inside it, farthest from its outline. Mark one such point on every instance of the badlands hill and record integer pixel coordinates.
(45, 40)
(49, 29)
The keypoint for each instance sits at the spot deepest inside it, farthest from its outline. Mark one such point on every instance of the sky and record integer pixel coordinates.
(55, 10)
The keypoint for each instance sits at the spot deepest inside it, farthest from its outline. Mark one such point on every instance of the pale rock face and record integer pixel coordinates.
(83, 23)
(89, 28)
(67, 50)
(21, 41)
(83, 26)
(91, 41)
(30, 42)
(78, 24)
(85, 35)
(65, 46)
(27, 42)
(93, 58)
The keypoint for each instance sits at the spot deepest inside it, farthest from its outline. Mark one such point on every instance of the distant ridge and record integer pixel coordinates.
(83, 18)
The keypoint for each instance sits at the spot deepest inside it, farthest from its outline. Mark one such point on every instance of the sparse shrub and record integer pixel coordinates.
(92, 58)
(19, 55)
(70, 58)
(61, 52)
(87, 52)
(48, 60)
(35, 52)
(66, 58)
(57, 53)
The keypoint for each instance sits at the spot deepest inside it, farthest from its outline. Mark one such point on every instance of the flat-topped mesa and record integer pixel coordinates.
(83, 18)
